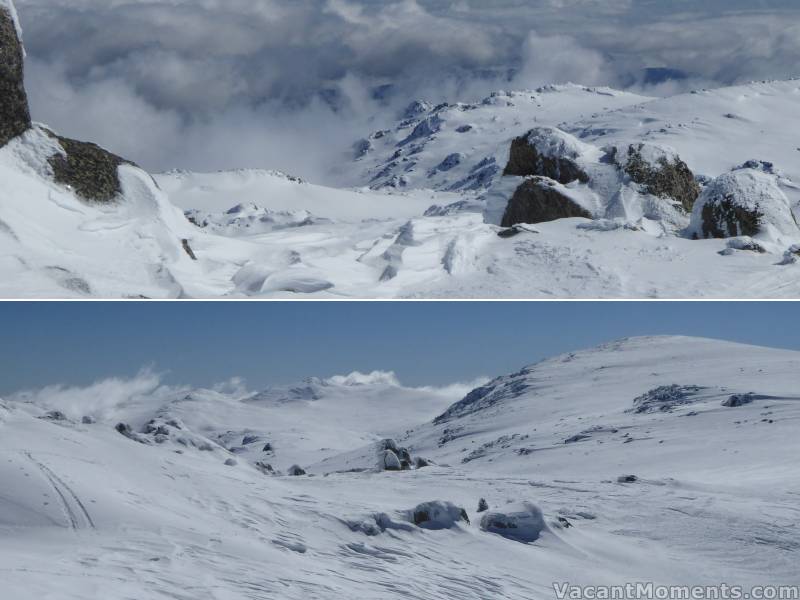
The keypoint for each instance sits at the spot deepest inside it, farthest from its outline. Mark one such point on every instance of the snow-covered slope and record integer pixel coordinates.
(464, 147)
(561, 192)
(669, 460)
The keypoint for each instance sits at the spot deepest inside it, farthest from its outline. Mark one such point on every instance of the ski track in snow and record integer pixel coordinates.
(74, 509)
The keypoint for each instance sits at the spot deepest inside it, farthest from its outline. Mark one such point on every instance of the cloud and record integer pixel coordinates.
(105, 399)
(208, 84)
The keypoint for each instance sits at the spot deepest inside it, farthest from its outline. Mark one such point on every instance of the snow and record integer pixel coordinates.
(265, 234)
(86, 512)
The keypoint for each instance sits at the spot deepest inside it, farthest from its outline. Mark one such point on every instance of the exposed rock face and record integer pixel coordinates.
(525, 160)
(88, 169)
(538, 200)
(15, 117)
(725, 218)
(662, 176)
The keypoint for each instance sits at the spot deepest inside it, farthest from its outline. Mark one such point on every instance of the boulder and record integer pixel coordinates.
(483, 506)
(744, 202)
(296, 471)
(89, 170)
(438, 515)
(539, 200)
(547, 152)
(660, 172)
(390, 461)
(15, 117)
(520, 521)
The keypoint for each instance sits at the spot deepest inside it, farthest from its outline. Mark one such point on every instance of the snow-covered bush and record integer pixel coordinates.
(519, 521)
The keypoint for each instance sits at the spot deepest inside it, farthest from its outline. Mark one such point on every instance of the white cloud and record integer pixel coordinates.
(208, 84)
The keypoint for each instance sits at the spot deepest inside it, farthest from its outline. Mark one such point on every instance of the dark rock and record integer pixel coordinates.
(483, 506)
(564, 522)
(15, 117)
(265, 468)
(267, 448)
(88, 420)
(525, 161)
(666, 398)
(231, 462)
(128, 432)
(538, 200)
(723, 217)
(627, 479)
(188, 249)
(667, 180)
(296, 471)
(88, 169)
(421, 463)
(250, 439)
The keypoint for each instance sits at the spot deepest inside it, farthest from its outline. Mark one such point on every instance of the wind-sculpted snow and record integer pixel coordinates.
(620, 227)
(702, 493)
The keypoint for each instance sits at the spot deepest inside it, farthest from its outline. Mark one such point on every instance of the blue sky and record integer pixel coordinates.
(269, 343)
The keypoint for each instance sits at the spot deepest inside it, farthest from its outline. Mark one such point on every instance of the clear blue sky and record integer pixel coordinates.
(269, 343)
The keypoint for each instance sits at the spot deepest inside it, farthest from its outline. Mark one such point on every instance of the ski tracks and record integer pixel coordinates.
(77, 515)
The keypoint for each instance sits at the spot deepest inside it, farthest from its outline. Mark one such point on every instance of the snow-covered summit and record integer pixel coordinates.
(664, 459)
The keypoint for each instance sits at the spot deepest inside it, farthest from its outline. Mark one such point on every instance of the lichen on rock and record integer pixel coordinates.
(15, 118)
(660, 173)
(89, 170)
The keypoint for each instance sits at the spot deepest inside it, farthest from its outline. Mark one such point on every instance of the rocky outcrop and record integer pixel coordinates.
(659, 173)
(744, 202)
(539, 200)
(89, 170)
(530, 156)
(15, 117)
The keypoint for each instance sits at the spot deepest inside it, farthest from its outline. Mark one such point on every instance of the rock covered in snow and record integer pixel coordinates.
(390, 461)
(437, 515)
(296, 471)
(519, 521)
(748, 201)
(251, 219)
(574, 178)
(660, 171)
(15, 116)
(547, 152)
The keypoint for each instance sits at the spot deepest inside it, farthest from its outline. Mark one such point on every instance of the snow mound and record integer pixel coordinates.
(437, 515)
(518, 521)
(251, 219)
(746, 202)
